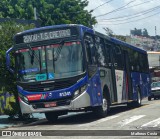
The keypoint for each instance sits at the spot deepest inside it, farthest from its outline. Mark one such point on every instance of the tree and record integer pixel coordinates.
(49, 12)
(7, 80)
(109, 32)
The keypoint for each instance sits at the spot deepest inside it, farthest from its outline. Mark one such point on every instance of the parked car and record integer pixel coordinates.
(155, 91)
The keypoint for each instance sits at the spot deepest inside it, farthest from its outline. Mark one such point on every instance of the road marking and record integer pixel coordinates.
(99, 121)
(129, 120)
(153, 123)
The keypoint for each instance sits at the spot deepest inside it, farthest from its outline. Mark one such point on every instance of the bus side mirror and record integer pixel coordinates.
(92, 70)
(10, 67)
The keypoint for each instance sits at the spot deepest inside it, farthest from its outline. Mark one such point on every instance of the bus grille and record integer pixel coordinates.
(38, 87)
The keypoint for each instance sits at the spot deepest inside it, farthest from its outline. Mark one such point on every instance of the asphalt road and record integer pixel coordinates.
(120, 119)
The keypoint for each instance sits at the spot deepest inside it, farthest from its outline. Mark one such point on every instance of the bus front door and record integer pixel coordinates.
(111, 81)
(117, 60)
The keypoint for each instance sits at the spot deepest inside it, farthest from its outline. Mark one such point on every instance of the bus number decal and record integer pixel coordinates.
(63, 94)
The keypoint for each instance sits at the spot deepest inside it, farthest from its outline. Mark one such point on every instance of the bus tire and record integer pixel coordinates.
(149, 98)
(139, 99)
(102, 111)
(51, 116)
(130, 104)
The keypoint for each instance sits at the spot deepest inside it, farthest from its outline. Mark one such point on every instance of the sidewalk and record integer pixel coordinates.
(5, 122)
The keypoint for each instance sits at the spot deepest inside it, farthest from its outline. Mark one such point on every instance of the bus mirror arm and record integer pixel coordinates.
(9, 67)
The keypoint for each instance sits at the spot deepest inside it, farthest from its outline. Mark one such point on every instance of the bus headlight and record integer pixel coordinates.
(80, 91)
(23, 98)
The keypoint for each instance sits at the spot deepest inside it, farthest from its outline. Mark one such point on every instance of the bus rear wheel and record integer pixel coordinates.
(149, 98)
(139, 100)
(51, 116)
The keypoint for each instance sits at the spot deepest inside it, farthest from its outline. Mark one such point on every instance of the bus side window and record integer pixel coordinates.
(100, 51)
(118, 58)
(143, 63)
(108, 54)
(90, 48)
(136, 62)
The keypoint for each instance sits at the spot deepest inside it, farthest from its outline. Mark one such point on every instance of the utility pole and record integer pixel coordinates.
(35, 13)
(156, 36)
(155, 31)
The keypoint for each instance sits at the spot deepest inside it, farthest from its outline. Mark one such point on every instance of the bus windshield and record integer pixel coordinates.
(49, 62)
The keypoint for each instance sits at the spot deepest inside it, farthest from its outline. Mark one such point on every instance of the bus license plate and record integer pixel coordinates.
(50, 104)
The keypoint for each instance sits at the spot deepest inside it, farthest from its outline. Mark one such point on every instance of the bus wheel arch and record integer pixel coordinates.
(106, 94)
(102, 111)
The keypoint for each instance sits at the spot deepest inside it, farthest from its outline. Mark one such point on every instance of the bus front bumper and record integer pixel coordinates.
(81, 101)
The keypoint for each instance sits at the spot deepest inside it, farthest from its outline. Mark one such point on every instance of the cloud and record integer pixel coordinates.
(136, 6)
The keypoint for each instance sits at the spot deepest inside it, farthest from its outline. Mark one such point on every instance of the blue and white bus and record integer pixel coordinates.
(65, 68)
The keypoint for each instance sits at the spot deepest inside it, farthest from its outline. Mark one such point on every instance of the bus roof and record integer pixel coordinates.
(127, 45)
(50, 27)
(114, 40)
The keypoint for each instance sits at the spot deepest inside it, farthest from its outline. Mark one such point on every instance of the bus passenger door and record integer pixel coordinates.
(128, 76)
(111, 81)
(118, 73)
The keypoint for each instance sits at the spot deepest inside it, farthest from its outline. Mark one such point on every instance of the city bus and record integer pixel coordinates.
(65, 68)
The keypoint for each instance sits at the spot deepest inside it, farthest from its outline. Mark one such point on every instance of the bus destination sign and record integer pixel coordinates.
(47, 36)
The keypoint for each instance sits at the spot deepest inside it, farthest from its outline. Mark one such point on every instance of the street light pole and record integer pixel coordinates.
(35, 13)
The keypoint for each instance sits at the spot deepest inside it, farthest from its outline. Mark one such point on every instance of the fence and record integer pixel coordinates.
(5, 99)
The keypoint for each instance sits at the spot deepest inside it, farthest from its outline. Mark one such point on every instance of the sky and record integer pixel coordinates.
(139, 14)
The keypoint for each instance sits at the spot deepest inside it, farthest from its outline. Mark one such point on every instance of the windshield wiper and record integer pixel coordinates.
(58, 51)
(33, 54)
(32, 58)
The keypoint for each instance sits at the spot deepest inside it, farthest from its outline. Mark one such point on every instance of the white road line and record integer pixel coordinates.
(99, 121)
(153, 123)
(129, 120)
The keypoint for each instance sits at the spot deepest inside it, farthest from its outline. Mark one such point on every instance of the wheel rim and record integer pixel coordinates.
(104, 106)
(139, 99)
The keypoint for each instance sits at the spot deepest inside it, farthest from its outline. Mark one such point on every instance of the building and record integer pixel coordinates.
(145, 43)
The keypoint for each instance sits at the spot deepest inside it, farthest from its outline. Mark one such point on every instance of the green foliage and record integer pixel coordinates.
(108, 31)
(49, 12)
(7, 80)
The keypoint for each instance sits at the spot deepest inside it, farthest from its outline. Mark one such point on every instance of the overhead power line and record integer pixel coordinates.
(101, 5)
(124, 16)
(139, 14)
(133, 20)
(123, 8)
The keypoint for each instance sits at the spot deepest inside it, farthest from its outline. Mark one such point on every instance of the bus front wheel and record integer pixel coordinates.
(102, 111)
